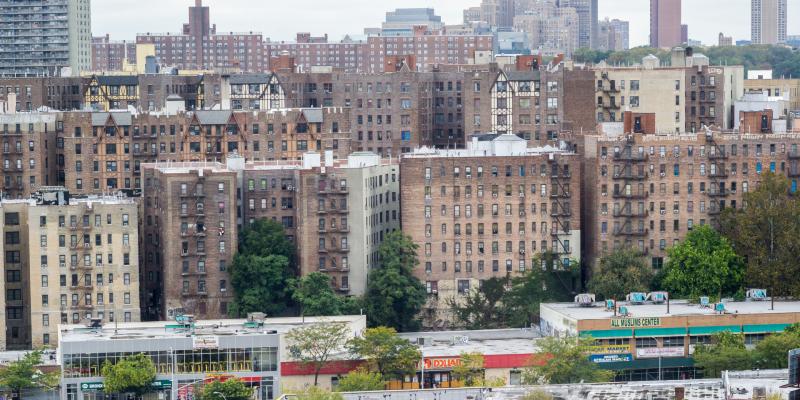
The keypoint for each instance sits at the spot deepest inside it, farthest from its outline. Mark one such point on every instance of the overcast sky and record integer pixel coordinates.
(281, 19)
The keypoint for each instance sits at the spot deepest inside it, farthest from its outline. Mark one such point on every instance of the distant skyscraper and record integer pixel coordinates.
(768, 21)
(402, 21)
(42, 37)
(665, 23)
(499, 13)
(587, 21)
(613, 35)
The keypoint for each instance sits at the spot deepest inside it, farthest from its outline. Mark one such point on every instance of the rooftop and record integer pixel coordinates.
(486, 342)
(171, 329)
(677, 308)
(489, 145)
(187, 167)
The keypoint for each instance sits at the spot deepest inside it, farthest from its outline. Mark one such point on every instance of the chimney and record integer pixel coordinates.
(198, 3)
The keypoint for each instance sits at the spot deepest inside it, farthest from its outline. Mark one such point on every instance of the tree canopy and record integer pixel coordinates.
(385, 352)
(621, 272)
(470, 372)
(314, 344)
(361, 380)
(265, 237)
(231, 389)
(565, 362)
(132, 374)
(483, 308)
(548, 280)
(260, 284)
(23, 374)
(766, 233)
(394, 296)
(703, 264)
(725, 352)
(315, 296)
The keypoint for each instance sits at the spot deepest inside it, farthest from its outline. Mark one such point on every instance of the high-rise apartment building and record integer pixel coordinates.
(28, 149)
(485, 211)
(403, 21)
(40, 38)
(613, 35)
(550, 29)
(768, 21)
(108, 55)
(189, 230)
(498, 13)
(587, 21)
(665, 23)
(68, 260)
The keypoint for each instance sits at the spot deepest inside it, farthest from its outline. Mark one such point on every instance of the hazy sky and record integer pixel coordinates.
(281, 19)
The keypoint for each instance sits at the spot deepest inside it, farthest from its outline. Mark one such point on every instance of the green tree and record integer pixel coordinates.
(771, 353)
(564, 361)
(315, 393)
(621, 272)
(548, 280)
(315, 344)
(24, 374)
(260, 284)
(385, 352)
(231, 389)
(361, 380)
(394, 296)
(470, 371)
(315, 295)
(766, 233)
(265, 237)
(703, 264)
(483, 308)
(537, 394)
(132, 374)
(725, 352)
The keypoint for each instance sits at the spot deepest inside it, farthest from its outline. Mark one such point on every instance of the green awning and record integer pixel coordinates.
(767, 328)
(710, 330)
(653, 332)
(608, 334)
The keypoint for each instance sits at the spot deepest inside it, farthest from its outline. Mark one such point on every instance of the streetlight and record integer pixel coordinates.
(220, 394)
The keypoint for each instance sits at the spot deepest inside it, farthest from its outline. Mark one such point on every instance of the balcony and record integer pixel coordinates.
(561, 213)
(630, 232)
(719, 155)
(627, 213)
(719, 173)
(632, 196)
(562, 195)
(630, 156)
(631, 177)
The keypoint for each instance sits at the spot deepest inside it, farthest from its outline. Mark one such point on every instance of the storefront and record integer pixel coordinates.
(656, 342)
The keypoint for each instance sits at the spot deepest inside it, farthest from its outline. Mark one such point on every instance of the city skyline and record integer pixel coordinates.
(274, 22)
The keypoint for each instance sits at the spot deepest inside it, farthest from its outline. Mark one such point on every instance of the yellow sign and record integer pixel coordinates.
(610, 349)
(635, 322)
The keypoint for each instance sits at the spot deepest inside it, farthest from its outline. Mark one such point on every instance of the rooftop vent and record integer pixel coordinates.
(757, 294)
(705, 302)
(95, 323)
(610, 304)
(184, 319)
(637, 298)
(658, 297)
(719, 308)
(256, 317)
(585, 299)
(623, 311)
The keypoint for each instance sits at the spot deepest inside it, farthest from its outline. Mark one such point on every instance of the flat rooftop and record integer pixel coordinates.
(677, 308)
(171, 329)
(486, 342)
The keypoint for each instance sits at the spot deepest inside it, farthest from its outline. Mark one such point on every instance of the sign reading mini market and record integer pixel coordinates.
(635, 322)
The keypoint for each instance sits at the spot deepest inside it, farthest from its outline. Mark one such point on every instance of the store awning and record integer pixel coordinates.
(659, 332)
(767, 328)
(608, 334)
(670, 362)
(710, 330)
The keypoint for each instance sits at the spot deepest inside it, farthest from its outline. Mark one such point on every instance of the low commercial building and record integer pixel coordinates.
(506, 352)
(651, 340)
(186, 353)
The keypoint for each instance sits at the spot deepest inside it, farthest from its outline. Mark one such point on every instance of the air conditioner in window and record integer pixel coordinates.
(223, 290)
(663, 174)
(663, 212)
(674, 211)
(604, 194)
(62, 265)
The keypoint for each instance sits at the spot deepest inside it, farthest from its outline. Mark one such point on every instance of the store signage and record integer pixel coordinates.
(610, 358)
(656, 352)
(635, 322)
(439, 363)
(205, 342)
(97, 386)
(610, 349)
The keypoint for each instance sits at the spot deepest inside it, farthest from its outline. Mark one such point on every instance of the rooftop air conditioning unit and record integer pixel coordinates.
(623, 311)
(610, 304)
(636, 297)
(585, 299)
(719, 308)
(757, 294)
(705, 302)
(659, 297)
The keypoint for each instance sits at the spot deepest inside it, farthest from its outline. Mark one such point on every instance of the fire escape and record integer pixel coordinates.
(717, 174)
(608, 97)
(560, 210)
(629, 176)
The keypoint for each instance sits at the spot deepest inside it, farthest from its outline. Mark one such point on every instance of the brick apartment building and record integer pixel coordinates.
(485, 211)
(337, 212)
(189, 236)
(67, 260)
(105, 150)
(654, 188)
(29, 152)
